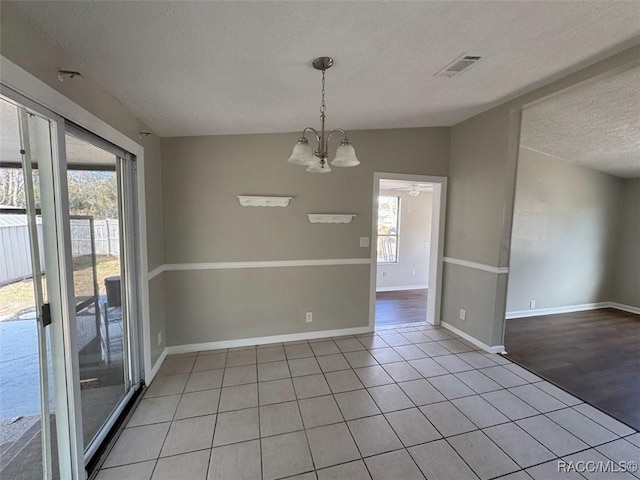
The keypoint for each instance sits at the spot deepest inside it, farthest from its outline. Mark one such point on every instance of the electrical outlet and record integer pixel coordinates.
(384, 274)
(309, 317)
(364, 241)
(160, 338)
(532, 304)
(463, 314)
(413, 272)
(426, 244)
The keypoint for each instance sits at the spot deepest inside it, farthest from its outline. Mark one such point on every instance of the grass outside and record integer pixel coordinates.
(18, 297)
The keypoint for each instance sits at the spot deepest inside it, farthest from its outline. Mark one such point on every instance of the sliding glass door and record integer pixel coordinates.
(69, 309)
(99, 209)
(27, 409)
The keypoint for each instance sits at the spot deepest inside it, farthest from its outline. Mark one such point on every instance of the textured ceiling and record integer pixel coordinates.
(197, 68)
(596, 125)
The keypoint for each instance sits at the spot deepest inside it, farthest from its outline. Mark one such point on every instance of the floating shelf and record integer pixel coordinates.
(330, 218)
(255, 201)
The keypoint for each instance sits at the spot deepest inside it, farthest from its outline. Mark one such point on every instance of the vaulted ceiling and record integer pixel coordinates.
(199, 68)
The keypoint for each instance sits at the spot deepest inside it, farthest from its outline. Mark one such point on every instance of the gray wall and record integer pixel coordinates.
(480, 201)
(415, 231)
(21, 43)
(627, 274)
(565, 233)
(203, 222)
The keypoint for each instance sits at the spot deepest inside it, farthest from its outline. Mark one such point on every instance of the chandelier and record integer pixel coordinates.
(316, 161)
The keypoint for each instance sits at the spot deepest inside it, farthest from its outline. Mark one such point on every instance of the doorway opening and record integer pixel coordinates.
(408, 224)
(573, 304)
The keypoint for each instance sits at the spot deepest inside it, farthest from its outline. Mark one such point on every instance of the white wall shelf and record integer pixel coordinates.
(330, 218)
(256, 201)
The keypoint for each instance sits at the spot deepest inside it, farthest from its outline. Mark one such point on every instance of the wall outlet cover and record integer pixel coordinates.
(532, 305)
(463, 314)
(160, 338)
(309, 317)
(364, 241)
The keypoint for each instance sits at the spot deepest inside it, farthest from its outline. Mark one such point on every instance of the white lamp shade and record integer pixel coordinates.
(345, 156)
(302, 154)
(316, 168)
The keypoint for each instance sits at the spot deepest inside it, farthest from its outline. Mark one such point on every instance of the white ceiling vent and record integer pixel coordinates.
(458, 65)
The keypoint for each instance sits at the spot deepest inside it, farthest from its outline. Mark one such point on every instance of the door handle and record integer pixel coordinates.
(46, 314)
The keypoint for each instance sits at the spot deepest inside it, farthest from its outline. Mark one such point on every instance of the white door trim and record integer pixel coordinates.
(436, 244)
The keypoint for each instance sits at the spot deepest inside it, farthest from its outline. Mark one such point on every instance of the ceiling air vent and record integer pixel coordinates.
(459, 65)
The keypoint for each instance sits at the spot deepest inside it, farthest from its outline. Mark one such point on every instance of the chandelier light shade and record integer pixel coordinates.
(317, 161)
(302, 153)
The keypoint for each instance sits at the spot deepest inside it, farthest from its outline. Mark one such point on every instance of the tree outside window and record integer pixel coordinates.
(388, 226)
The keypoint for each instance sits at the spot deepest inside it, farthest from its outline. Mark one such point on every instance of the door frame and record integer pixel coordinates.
(41, 95)
(33, 94)
(36, 269)
(515, 137)
(436, 242)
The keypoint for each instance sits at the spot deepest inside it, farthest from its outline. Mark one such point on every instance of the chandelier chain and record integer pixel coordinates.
(323, 105)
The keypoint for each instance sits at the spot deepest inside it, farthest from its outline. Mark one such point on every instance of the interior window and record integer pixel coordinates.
(388, 227)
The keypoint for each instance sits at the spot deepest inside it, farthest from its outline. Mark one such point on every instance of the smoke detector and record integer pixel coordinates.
(459, 65)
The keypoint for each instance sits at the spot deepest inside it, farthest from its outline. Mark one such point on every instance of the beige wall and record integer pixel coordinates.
(480, 201)
(414, 233)
(565, 234)
(627, 274)
(216, 305)
(203, 222)
(23, 45)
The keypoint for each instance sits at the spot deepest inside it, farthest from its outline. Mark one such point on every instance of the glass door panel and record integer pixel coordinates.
(96, 218)
(28, 447)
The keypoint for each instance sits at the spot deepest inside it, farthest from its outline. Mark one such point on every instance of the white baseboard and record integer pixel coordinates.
(624, 308)
(248, 342)
(156, 366)
(405, 287)
(555, 310)
(475, 341)
(571, 308)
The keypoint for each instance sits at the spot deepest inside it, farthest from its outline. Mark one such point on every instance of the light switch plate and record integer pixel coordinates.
(364, 241)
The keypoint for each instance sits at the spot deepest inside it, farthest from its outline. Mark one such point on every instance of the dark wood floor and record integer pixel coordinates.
(595, 355)
(404, 306)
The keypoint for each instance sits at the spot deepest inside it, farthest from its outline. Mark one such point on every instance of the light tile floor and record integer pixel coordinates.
(408, 402)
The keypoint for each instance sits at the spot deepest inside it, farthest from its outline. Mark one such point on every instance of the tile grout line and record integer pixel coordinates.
(344, 420)
(393, 331)
(215, 424)
(479, 429)
(259, 421)
(436, 428)
(306, 435)
(366, 389)
(157, 460)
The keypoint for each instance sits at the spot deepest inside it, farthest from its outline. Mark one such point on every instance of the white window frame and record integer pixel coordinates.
(397, 235)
